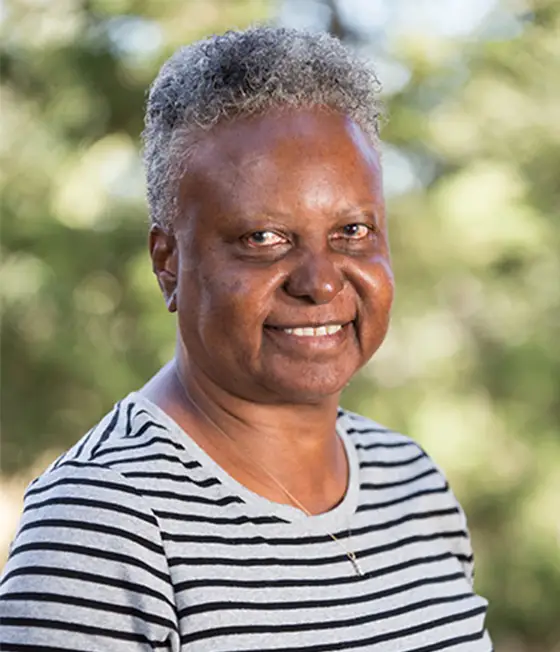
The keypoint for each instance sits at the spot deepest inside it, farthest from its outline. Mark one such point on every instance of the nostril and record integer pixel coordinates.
(318, 283)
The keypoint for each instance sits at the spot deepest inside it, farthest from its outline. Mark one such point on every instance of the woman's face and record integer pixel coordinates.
(282, 230)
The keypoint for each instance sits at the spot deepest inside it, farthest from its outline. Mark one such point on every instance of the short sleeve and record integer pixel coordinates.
(87, 569)
(461, 547)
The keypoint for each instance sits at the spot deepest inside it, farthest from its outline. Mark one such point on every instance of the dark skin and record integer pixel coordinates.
(282, 226)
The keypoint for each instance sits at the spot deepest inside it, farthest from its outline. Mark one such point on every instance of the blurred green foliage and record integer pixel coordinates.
(471, 367)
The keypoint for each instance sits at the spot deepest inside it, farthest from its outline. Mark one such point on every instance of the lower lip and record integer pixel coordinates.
(310, 342)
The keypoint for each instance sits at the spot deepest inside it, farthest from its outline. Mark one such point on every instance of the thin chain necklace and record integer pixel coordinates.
(349, 553)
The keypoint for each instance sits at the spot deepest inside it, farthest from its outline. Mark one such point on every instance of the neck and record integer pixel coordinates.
(296, 444)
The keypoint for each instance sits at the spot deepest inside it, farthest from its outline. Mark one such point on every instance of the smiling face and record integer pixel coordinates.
(279, 266)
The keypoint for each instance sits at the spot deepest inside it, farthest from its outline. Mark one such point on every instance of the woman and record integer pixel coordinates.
(230, 504)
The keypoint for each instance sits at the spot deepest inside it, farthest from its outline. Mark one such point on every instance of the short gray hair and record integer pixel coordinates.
(241, 73)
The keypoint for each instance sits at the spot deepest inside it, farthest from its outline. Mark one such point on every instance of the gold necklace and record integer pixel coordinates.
(349, 553)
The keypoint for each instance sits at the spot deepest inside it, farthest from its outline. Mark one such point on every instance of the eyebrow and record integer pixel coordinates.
(363, 208)
(360, 209)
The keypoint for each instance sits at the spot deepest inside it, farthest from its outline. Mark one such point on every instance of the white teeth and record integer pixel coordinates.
(308, 331)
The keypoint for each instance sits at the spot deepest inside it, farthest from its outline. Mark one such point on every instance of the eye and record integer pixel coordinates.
(355, 231)
(265, 239)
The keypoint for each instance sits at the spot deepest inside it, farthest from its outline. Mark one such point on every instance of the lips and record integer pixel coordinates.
(315, 330)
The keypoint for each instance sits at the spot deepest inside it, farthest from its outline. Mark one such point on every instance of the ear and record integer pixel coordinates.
(163, 250)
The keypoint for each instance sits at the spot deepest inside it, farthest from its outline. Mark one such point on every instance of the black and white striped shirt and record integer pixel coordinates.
(137, 540)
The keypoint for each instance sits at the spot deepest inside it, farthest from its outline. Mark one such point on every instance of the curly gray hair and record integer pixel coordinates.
(242, 73)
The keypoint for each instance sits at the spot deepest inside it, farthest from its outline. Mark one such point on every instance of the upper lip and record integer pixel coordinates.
(313, 324)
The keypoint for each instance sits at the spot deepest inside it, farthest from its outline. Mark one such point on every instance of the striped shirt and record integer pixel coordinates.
(136, 539)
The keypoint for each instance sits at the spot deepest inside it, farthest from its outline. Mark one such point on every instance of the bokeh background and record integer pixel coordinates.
(471, 368)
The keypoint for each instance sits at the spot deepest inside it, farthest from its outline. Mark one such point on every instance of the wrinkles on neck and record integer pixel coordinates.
(296, 444)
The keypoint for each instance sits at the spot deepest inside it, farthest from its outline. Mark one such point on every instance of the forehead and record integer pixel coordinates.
(309, 158)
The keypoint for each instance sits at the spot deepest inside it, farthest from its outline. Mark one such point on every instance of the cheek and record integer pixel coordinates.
(223, 299)
(376, 286)
(386, 285)
(377, 289)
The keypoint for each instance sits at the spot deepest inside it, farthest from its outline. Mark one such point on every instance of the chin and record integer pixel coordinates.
(310, 387)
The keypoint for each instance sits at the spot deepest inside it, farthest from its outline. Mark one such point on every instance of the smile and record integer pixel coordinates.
(313, 331)
(317, 337)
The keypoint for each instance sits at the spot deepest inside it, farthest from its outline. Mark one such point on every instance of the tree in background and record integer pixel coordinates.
(472, 365)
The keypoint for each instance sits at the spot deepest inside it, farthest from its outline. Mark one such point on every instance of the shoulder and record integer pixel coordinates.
(381, 447)
(88, 544)
(131, 424)
(391, 460)
(72, 485)
(398, 473)
(133, 443)
(95, 481)
(83, 507)
(365, 432)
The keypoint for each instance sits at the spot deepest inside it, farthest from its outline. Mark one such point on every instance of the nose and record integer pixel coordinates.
(315, 279)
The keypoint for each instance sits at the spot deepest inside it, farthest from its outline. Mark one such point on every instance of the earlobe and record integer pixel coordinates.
(171, 302)
(163, 251)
